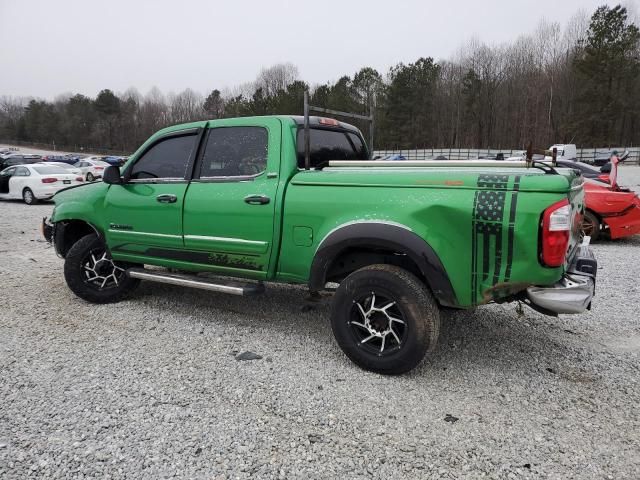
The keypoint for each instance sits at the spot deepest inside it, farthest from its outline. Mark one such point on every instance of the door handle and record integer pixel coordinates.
(167, 198)
(257, 199)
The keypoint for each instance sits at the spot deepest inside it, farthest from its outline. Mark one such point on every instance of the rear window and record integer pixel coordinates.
(325, 145)
(49, 170)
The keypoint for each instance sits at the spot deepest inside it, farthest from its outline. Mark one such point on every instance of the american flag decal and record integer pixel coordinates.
(492, 232)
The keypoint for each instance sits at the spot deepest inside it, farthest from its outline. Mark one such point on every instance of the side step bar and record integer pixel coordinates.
(193, 281)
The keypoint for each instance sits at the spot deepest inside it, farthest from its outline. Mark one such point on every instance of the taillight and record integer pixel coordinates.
(556, 227)
(79, 179)
(49, 180)
(99, 168)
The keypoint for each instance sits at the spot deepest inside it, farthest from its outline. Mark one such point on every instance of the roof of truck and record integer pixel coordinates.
(315, 121)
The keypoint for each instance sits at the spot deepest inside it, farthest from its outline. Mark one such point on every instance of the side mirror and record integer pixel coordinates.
(112, 176)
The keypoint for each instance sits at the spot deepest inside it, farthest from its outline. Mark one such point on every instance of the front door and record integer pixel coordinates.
(144, 215)
(230, 204)
(5, 176)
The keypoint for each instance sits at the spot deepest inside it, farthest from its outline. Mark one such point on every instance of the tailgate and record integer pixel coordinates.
(576, 200)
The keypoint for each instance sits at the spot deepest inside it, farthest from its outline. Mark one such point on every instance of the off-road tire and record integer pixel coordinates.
(415, 304)
(593, 223)
(78, 280)
(28, 197)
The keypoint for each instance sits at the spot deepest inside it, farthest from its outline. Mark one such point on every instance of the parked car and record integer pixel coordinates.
(7, 155)
(563, 152)
(94, 157)
(35, 182)
(587, 171)
(18, 160)
(604, 159)
(395, 157)
(255, 204)
(68, 159)
(114, 160)
(497, 156)
(91, 169)
(69, 168)
(522, 155)
(610, 208)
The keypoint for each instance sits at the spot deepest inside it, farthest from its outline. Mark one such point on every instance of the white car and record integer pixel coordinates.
(69, 168)
(91, 169)
(35, 182)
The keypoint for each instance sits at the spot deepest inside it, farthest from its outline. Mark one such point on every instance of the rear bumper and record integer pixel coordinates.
(575, 290)
(626, 224)
(45, 192)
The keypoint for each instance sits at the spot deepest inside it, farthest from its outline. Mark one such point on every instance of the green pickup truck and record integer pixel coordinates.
(297, 200)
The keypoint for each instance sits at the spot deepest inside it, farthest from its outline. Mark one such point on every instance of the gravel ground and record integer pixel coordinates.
(150, 387)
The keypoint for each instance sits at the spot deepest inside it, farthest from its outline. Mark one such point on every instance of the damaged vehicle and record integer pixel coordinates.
(298, 200)
(610, 209)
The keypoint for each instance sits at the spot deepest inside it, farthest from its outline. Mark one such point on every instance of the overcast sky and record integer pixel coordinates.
(49, 47)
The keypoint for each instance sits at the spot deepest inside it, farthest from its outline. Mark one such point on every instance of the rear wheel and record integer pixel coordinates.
(90, 177)
(93, 276)
(591, 225)
(385, 319)
(28, 197)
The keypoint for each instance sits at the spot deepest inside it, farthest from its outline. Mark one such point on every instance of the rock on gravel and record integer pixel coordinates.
(150, 387)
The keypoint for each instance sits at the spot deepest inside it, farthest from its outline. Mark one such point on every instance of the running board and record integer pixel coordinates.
(193, 281)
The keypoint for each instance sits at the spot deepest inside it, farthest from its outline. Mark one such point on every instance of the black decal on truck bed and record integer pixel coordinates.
(489, 224)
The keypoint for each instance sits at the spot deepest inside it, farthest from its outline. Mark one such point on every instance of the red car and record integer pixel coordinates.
(610, 208)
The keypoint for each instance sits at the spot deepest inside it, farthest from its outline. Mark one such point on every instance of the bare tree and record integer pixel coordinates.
(186, 106)
(276, 78)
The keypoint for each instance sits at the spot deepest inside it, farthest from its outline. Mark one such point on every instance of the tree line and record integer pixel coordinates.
(573, 83)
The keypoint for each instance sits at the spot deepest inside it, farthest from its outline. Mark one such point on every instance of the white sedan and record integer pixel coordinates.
(91, 169)
(69, 168)
(35, 182)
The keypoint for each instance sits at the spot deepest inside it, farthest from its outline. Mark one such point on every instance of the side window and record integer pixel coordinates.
(21, 172)
(325, 145)
(358, 145)
(8, 172)
(234, 151)
(168, 158)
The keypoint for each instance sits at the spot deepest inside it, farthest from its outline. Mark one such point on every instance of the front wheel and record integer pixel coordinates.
(90, 177)
(385, 319)
(93, 276)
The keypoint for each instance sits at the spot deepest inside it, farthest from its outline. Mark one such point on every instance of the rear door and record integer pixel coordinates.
(144, 215)
(230, 204)
(19, 180)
